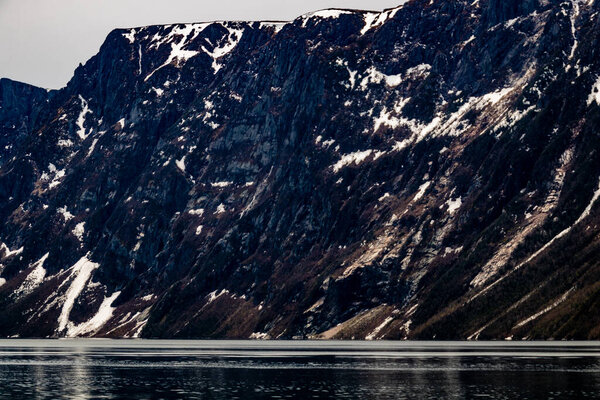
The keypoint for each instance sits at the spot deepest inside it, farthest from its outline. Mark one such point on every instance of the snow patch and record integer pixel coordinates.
(137, 246)
(221, 184)
(81, 131)
(352, 75)
(34, 279)
(56, 174)
(181, 164)
(79, 230)
(386, 119)
(62, 143)
(93, 146)
(139, 238)
(130, 35)
(595, 94)
(104, 314)
(10, 253)
(454, 205)
(373, 335)
(353, 158)
(573, 18)
(494, 97)
(323, 14)
(259, 336)
(469, 40)
(212, 296)
(373, 20)
(233, 38)
(81, 271)
(422, 189)
(178, 54)
(374, 76)
(56, 180)
(65, 213)
(385, 196)
(544, 311)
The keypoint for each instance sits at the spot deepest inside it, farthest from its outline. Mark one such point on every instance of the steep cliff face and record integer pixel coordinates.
(498, 11)
(430, 171)
(19, 104)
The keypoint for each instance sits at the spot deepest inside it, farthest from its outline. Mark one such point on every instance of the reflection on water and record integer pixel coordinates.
(105, 369)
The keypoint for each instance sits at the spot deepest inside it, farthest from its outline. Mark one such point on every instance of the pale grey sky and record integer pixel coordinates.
(43, 41)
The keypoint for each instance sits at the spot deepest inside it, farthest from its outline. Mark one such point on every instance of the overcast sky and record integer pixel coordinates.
(43, 41)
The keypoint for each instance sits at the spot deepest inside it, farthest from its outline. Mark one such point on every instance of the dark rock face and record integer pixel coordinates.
(19, 105)
(431, 171)
(500, 11)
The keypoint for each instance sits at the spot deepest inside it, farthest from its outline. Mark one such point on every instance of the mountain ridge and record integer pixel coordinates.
(342, 176)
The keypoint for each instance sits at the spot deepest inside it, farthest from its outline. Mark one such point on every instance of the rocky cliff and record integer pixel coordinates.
(429, 171)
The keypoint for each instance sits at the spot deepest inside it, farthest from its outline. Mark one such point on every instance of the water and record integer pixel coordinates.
(106, 369)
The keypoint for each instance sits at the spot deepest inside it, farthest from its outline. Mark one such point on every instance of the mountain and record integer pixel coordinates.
(431, 171)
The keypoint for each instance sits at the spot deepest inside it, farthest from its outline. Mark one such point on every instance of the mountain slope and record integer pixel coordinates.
(430, 171)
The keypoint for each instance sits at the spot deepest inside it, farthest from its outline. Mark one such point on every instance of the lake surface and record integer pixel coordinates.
(144, 369)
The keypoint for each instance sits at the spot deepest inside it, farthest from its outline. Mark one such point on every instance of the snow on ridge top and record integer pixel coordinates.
(177, 51)
(276, 25)
(182, 34)
(324, 14)
(375, 19)
(327, 13)
(130, 35)
(372, 19)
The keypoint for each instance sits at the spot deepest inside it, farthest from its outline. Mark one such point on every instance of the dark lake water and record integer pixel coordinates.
(105, 369)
